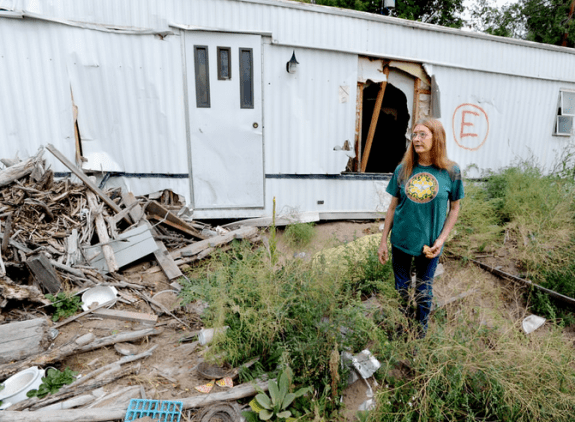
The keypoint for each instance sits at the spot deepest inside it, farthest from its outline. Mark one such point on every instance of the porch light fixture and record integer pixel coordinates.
(291, 66)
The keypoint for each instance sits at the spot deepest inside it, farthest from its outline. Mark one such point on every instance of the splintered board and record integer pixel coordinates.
(18, 340)
(130, 246)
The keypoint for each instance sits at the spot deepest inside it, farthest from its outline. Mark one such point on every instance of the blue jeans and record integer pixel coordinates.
(424, 272)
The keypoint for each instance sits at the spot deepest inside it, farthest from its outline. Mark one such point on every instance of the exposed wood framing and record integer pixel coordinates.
(374, 119)
(358, 125)
(416, 89)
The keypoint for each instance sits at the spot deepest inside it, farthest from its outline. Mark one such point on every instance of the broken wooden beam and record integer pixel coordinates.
(44, 273)
(126, 316)
(374, 119)
(157, 212)
(119, 412)
(19, 340)
(107, 250)
(19, 170)
(196, 248)
(58, 354)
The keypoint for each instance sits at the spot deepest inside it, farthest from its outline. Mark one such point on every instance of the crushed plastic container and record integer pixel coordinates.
(532, 322)
(158, 410)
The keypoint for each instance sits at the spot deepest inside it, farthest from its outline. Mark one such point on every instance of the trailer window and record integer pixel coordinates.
(201, 65)
(224, 63)
(246, 78)
(565, 113)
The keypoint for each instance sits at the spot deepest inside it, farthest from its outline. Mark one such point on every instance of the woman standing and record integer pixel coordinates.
(422, 187)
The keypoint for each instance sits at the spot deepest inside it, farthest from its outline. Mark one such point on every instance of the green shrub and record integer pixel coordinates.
(299, 234)
(52, 382)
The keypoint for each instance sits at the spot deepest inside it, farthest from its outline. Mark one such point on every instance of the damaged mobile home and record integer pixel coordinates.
(202, 97)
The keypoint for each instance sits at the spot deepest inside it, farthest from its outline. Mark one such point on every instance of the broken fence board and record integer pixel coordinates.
(126, 316)
(18, 340)
(196, 248)
(130, 246)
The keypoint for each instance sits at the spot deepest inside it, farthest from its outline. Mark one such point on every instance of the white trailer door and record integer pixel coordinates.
(225, 119)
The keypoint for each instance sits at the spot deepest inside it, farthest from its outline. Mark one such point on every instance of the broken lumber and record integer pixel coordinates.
(130, 246)
(102, 233)
(82, 176)
(126, 316)
(196, 248)
(56, 355)
(7, 231)
(157, 212)
(165, 261)
(44, 273)
(10, 290)
(374, 119)
(89, 311)
(119, 412)
(20, 170)
(19, 340)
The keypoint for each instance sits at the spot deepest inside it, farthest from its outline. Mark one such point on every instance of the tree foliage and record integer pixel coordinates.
(544, 21)
(438, 12)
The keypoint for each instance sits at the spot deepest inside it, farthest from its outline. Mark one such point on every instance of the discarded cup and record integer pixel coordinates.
(532, 322)
(206, 335)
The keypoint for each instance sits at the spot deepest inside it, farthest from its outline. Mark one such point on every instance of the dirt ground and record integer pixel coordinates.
(170, 373)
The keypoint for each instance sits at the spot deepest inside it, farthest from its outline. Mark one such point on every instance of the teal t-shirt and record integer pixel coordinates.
(422, 208)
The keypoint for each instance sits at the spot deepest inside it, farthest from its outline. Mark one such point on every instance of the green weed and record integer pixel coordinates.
(64, 304)
(299, 234)
(52, 382)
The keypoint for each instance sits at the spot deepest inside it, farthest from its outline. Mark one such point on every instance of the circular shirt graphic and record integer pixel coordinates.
(422, 188)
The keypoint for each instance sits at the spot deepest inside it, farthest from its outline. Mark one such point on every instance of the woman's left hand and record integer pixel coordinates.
(435, 250)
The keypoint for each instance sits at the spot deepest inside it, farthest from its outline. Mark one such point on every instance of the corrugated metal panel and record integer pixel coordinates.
(327, 28)
(36, 103)
(521, 114)
(305, 114)
(293, 196)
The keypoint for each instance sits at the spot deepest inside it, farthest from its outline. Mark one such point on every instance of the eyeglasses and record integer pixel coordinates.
(422, 135)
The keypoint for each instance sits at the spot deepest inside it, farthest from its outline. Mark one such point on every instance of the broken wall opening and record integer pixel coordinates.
(389, 143)
(391, 97)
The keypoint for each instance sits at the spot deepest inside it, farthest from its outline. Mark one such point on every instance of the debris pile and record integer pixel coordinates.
(60, 236)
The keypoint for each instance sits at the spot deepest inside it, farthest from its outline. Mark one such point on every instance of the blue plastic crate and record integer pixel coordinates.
(158, 410)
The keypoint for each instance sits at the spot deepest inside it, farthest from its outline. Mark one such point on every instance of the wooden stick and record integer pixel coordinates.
(82, 176)
(89, 311)
(119, 412)
(56, 355)
(7, 231)
(374, 119)
(102, 233)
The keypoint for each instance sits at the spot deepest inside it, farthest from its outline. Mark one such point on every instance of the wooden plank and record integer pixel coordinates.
(82, 176)
(44, 273)
(19, 340)
(358, 125)
(107, 250)
(157, 212)
(89, 311)
(282, 220)
(136, 212)
(130, 246)
(196, 248)
(416, 91)
(374, 119)
(126, 316)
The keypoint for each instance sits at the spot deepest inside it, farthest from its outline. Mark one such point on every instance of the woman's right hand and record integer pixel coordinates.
(383, 253)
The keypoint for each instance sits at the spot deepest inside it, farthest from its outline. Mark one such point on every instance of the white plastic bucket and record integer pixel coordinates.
(16, 387)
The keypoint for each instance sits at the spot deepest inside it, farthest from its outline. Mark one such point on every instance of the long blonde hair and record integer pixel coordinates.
(438, 150)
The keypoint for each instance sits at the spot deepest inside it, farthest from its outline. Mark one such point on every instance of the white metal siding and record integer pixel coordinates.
(326, 28)
(304, 115)
(521, 116)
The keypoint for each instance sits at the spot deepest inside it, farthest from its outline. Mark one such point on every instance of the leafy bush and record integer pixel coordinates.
(52, 382)
(65, 305)
(299, 234)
